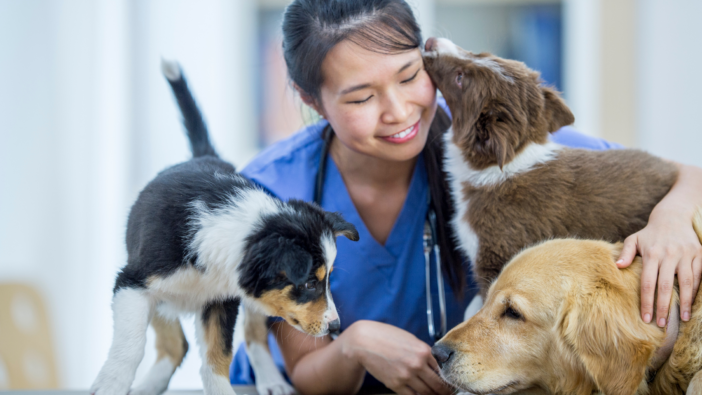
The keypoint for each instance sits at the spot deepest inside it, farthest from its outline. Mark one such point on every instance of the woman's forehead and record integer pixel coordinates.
(349, 65)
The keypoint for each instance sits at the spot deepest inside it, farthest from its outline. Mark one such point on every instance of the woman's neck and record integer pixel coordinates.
(378, 188)
(360, 169)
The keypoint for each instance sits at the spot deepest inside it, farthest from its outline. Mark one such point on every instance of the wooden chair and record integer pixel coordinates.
(26, 351)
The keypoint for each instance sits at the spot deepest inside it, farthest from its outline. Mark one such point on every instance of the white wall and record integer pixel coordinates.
(669, 83)
(87, 120)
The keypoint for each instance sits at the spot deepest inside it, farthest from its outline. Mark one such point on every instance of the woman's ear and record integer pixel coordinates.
(310, 100)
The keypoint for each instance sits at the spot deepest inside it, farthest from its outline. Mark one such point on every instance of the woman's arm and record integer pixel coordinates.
(392, 355)
(669, 246)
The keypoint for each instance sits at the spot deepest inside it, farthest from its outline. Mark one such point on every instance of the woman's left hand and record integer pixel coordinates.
(669, 246)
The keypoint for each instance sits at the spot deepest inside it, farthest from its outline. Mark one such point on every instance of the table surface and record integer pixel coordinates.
(239, 389)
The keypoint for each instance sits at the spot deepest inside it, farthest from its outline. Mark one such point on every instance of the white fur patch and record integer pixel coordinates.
(220, 234)
(156, 381)
(455, 166)
(329, 246)
(170, 69)
(131, 310)
(269, 381)
(461, 172)
(446, 47)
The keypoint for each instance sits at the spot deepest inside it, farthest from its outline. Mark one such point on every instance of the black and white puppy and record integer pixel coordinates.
(203, 239)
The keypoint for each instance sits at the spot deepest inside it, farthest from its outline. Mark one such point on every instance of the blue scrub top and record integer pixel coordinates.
(371, 281)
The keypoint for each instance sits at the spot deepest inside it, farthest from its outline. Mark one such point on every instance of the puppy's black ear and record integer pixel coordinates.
(341, 227)
(294, 261)
(556, 112)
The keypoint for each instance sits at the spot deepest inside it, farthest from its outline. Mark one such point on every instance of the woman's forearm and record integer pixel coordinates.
(328, 370)
(319, 365)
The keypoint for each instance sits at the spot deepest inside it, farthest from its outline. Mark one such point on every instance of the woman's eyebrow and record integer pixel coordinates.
(364, 86)
(408, 64)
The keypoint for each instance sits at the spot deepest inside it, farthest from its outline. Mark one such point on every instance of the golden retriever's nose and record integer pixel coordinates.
(441, 353)
(430, 45)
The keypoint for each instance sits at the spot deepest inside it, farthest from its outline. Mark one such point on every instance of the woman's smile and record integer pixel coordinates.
(403, 136)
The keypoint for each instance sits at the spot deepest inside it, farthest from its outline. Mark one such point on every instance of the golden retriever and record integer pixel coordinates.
(561, 318)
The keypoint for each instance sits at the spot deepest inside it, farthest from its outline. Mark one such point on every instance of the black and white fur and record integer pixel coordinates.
(203, 239)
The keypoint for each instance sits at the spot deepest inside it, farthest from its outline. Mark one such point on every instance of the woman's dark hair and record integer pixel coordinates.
(311, 28)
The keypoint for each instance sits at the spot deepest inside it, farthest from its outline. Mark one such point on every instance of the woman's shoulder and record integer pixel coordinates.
(287, 168)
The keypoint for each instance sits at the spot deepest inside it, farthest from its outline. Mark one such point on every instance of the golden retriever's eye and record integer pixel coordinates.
(512, 313)
(459, 79)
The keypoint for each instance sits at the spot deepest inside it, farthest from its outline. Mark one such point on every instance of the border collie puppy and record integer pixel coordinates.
(202, 239)
(512, 187)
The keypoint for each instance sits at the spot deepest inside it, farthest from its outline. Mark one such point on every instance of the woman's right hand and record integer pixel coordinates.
(395, 357)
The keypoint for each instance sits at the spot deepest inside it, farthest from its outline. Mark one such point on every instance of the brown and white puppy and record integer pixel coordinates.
(561, 318)
(513, 187)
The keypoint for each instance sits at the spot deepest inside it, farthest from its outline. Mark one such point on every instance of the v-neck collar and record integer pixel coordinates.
(336, 198)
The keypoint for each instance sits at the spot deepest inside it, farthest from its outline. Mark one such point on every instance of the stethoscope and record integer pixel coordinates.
(429, 242)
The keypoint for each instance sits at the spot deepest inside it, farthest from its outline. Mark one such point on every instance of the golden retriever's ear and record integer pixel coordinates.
(556, 112)
(601, 327)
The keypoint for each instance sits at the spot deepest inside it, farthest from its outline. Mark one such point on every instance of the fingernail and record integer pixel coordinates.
(620, 261)
(661, 322)
(686, 316)
(647, 318)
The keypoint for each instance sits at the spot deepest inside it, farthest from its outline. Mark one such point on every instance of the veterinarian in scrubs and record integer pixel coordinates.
(358, 63)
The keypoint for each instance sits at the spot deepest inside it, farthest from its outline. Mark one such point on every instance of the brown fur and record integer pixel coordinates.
(219, 355)
(170, 340)
(498, 110)
(579, 330)
(308, 315)
(321, 273)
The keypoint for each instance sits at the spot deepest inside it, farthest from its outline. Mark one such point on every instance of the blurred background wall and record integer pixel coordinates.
(86, 120)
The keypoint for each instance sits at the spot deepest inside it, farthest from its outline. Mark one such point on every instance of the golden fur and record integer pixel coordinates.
(561, 318)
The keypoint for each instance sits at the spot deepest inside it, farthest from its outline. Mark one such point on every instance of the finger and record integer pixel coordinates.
(666, 277)
(649, 275)
(628, 251)
(420, 387)
(697, 275)
(434, 381)
(404, 391)
(685, 282)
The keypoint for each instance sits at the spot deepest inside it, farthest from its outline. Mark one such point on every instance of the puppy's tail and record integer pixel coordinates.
(192, 118)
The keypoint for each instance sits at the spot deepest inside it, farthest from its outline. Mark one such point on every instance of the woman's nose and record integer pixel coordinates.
(396, 110)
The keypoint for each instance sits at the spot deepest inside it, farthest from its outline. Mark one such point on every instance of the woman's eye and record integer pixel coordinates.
(459, 79)
(361, 101)
(410, 78)
(513, 314)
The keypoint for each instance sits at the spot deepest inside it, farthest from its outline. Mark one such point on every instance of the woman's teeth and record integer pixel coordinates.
(403, 133)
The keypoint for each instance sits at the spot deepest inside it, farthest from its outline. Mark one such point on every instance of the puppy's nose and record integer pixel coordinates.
(334, 326)
(430, 45)
(441, 353)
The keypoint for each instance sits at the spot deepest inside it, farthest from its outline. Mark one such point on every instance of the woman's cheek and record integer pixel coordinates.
(357, 124)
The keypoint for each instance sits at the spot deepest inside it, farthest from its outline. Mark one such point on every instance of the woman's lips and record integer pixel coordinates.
(404, 136)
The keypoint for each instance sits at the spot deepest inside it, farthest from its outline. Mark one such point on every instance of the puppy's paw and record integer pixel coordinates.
(275, 388)
(110, 383)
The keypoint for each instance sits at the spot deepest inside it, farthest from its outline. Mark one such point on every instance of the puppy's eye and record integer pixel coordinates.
(310, 286)
(513, 314)
(459, 79)
(499, 119)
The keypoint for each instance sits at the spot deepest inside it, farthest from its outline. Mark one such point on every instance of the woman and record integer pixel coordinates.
(358, 63)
